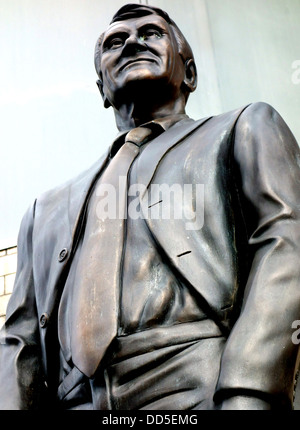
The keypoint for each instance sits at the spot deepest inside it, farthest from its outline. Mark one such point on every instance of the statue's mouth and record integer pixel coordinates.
(136, 60)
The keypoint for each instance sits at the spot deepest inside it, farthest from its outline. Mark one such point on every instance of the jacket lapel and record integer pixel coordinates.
(79, 193)
(80, 188)
(184, 248)
(156, 150)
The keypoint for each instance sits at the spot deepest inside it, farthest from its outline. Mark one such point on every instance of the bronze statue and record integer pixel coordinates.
(167, 275)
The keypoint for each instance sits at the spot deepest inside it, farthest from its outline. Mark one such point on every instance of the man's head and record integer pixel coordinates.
(143, 49)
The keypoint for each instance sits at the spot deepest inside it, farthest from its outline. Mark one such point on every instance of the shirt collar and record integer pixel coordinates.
(166, 123)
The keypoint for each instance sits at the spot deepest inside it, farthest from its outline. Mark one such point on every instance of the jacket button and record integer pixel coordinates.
(62, 255)
(44, 320)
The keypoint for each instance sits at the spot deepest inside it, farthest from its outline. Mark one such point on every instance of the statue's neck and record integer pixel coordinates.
(132, 115)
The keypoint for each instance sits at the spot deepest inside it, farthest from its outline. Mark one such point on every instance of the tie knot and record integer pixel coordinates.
(138, 135)
(142, 135)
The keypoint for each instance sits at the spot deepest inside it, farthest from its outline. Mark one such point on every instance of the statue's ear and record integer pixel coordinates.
(190, 79)
(105, 99)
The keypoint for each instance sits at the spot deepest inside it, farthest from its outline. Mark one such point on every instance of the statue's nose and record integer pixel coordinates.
(133, 44)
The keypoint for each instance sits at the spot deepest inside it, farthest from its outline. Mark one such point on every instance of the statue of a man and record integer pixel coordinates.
(167, 275)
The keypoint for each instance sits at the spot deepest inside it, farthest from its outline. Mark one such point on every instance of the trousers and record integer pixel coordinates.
(167, 368)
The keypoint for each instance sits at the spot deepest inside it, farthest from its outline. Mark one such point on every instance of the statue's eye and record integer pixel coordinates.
(151, 33)
(115, 43)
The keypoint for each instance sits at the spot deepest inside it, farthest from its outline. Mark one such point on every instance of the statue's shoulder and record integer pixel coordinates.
(58, 197)
(250, 108)
(253, 110)
(251, 113)
(259, 116)
(223, 121)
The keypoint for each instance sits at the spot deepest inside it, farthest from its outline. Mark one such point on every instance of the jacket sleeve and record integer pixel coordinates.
(21, 381)
(260, 359)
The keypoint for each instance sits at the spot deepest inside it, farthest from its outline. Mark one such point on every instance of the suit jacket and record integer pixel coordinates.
(243, 263)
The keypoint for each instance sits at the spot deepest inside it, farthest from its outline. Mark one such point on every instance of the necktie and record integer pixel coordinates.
(95, 303)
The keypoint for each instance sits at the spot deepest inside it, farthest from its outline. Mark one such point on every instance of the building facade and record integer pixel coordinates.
(8, 267)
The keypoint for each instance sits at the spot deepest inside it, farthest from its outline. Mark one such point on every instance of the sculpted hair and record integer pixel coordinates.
(136, 11)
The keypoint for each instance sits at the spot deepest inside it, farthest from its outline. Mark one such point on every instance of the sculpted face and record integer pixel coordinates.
(138, 51)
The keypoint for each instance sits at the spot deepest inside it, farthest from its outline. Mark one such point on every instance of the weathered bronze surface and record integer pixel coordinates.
(167, 275)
